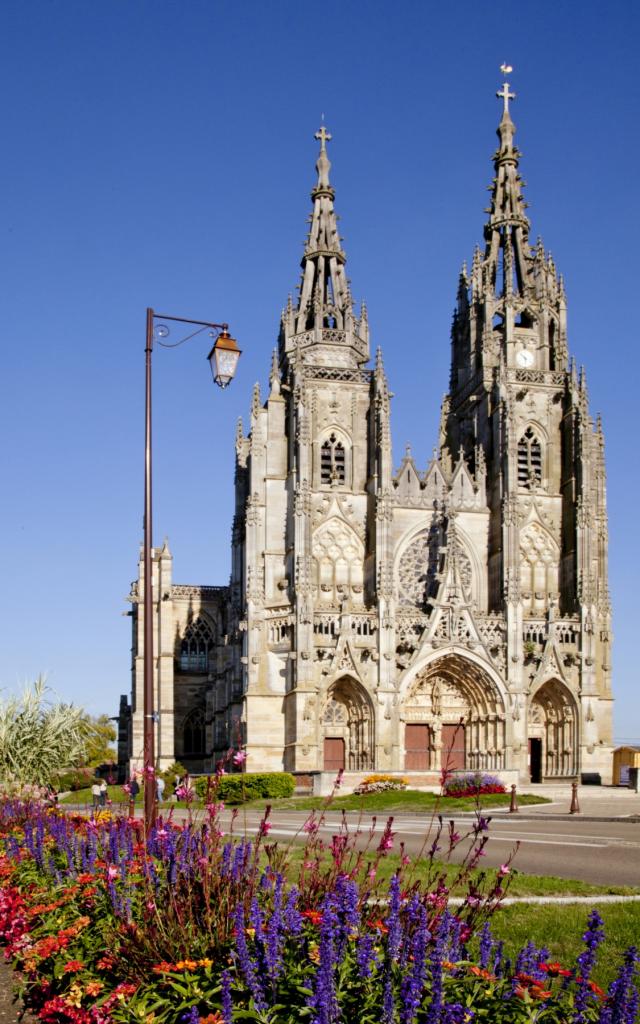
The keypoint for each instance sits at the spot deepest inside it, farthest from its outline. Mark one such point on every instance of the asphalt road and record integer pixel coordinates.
(600, 852)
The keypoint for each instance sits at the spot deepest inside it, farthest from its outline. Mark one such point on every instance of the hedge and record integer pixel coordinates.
(236, 789)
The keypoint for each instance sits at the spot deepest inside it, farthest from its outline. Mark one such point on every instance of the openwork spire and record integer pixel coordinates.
(323, 315)
(507, 230)
(324, 295)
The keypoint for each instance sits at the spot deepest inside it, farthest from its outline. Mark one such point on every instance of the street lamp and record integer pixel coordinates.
(223, 360)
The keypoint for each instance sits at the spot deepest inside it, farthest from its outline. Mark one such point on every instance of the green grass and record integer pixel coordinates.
(407, 800)
(560, 930)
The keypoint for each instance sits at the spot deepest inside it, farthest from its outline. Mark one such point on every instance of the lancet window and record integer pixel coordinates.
(194, 740)
(332, 461)
(529, 459)
(196, 647)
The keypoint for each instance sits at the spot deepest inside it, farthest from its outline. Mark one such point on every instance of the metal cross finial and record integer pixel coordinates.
(323, 135)
(506, 96)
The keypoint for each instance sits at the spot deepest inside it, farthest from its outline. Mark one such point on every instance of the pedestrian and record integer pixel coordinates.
(159, 788)
(95, 793)
(134, 788)
(103, 793)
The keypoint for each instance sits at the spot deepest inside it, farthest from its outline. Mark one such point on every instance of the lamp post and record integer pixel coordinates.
(223, 359)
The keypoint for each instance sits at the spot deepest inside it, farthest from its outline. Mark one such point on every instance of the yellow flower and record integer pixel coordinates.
(74, 995)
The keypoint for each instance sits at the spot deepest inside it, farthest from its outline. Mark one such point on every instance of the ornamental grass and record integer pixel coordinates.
(104, 923)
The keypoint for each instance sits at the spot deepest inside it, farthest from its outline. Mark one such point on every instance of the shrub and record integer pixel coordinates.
(79, 778)
(40, 738)
(472, 784)
(237, 789)
(246, 785)
(175, 769)
(380, 784)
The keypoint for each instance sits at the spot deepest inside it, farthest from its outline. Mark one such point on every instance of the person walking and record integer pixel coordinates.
(159, 788)
(103, 793)
(95, 793)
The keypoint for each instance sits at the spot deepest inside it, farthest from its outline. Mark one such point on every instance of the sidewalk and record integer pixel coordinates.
(10, 1011)
(605, 802)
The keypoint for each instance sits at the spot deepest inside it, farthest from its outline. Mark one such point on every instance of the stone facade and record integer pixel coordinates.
(457, 615)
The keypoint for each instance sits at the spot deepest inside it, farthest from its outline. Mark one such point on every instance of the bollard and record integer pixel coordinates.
(132, 808)
(575, 806)
(513, 806)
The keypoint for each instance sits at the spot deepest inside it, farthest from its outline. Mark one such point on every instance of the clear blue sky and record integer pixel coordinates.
(161, 153)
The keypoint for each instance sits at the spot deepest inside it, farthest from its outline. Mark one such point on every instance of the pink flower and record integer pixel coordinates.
(112, 872)
(265, 828)
(504, 869)
(371, 874)
(240, 757)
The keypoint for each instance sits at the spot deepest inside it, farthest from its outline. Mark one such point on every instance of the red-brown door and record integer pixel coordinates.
(333, 753)
(453, 754)
(417, 747)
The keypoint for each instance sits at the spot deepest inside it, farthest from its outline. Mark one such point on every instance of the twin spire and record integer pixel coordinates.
(323, 319)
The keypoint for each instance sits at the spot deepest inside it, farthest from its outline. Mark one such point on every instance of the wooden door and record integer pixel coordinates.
(417, 747)
(453, 747)
(333, 753)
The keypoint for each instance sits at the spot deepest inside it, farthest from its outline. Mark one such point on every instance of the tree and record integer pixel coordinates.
(103, 733)
(40, 738)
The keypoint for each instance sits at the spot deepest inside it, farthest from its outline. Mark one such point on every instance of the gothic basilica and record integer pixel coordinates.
(403, 621)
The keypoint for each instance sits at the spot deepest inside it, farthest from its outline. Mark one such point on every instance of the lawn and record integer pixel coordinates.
(407, 800)
(560, 929)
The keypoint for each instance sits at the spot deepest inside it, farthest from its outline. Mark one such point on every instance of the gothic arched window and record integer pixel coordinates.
(196, 647)
(193, 732)
(529, 460)
(332, 461)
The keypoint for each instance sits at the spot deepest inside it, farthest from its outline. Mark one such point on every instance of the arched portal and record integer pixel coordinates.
(347, 727)
(553, 732)
(464, 712)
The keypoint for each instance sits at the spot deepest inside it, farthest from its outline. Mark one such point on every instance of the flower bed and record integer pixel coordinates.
(192, 925)
(380, 784)
(473, 784)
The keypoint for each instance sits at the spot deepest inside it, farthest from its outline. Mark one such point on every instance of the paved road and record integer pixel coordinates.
(600, 852)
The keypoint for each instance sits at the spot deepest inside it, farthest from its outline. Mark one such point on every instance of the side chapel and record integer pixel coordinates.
(390, 621)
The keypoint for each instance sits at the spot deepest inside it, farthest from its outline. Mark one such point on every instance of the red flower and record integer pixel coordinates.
(315, 916)
(73, 966)
(555, 970)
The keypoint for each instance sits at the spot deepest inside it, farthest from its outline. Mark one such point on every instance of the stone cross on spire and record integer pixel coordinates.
(324, 136)
(505, 95)
(323, 166)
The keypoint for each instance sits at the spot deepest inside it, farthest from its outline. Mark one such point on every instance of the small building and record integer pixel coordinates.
(624, 759)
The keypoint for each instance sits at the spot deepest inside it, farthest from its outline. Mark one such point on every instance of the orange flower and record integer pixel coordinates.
(538, 992)
(212, 1018)
(160, 968)
(481, 973)
(93, 988)
(73, 966)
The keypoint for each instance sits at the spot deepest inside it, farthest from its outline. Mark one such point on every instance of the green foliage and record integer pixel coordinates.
(102, 734)
(40, 738)
(78, 778)
(237, 789)
(170, 773)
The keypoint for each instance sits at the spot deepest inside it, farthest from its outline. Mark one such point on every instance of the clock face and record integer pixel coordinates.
(524, 357)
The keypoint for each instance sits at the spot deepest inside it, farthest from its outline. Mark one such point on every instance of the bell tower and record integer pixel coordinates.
(309, 534)
(517, 404)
